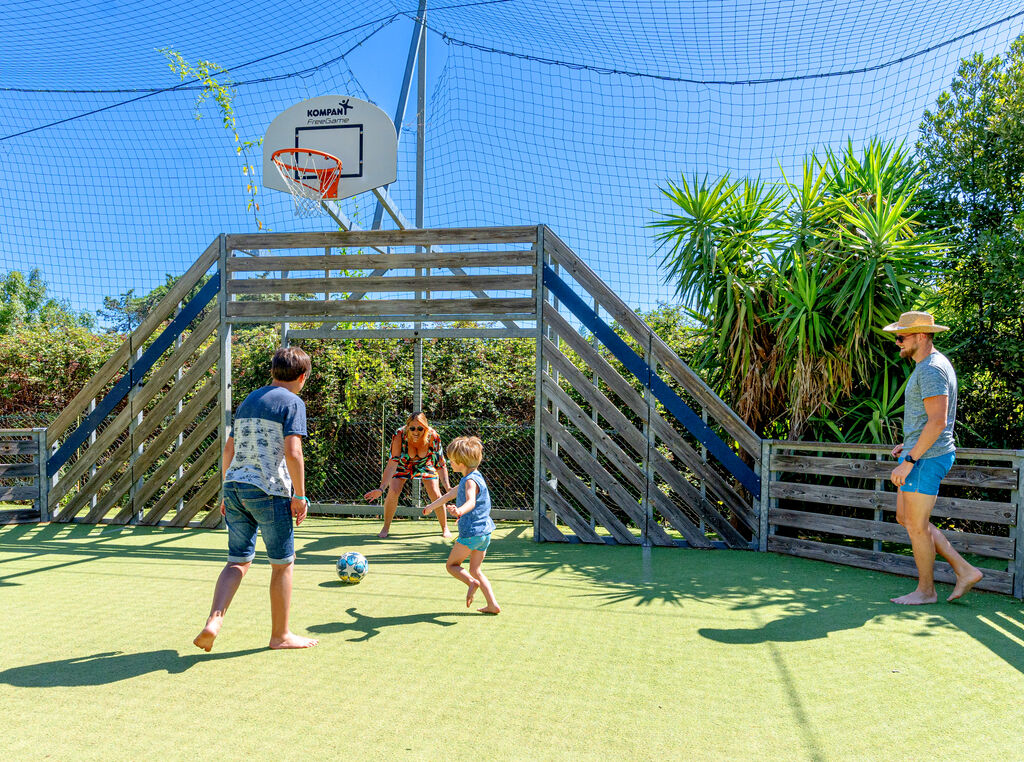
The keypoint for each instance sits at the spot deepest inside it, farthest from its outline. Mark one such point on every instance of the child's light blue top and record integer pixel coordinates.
(477, 521)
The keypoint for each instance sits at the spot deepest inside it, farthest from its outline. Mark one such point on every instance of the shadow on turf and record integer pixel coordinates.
(370, 626)
(108, 667)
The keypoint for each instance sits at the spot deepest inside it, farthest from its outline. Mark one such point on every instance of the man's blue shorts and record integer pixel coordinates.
(928, 473)
(246, 508)
(477, 542)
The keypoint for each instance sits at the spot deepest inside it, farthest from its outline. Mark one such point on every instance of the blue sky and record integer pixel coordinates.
(570, 114)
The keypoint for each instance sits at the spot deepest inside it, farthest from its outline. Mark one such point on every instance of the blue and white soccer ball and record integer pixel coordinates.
(352, 568)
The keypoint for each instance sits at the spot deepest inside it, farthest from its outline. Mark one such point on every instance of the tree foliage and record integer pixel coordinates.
(972, 147)
(791, 283)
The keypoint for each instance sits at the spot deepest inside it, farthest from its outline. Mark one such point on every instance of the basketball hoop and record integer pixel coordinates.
(311, 177)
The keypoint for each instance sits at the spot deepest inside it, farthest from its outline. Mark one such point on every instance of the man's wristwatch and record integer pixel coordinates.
(909, 459)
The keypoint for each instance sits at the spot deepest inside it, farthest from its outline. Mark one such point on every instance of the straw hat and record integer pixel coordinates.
(915, 322)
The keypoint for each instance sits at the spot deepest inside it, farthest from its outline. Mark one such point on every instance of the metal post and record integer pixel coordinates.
(421, 99)
(224, 339)
(538, 434)
(419, 31)
(92, 469)
(284, 325)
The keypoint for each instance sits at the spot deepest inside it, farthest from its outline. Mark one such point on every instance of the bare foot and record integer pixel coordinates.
(490, 610)
(446, 534)
(382, 533)
(291, 640)
(916, 598)
(471, 592)
(965, 583)
(204, 640)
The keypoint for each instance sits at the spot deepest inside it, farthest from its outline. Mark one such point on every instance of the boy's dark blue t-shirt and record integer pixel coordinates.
(262, 421)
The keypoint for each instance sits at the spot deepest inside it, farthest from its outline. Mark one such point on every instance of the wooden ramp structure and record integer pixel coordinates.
(631, 446)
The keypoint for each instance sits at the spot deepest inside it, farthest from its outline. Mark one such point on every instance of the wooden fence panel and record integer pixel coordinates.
(818, 502)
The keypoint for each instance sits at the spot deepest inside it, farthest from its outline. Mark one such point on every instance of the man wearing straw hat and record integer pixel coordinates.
(926, 455)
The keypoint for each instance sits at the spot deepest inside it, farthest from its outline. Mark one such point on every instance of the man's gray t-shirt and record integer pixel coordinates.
(933, 377)
(262, 421)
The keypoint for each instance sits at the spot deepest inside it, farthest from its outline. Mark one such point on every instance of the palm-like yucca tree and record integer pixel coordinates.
(793, 280)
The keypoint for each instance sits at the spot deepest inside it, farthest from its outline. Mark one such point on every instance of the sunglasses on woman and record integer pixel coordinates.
(417, 428)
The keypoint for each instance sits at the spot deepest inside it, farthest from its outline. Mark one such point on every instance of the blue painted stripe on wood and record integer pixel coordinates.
(662, 391)
(134, 376)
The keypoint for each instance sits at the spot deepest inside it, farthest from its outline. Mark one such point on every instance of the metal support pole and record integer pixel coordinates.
(419, 31)
(224, 339)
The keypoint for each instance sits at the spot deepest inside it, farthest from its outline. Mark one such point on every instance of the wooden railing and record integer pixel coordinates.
(834, 502)
(434, 284)
(22, 476)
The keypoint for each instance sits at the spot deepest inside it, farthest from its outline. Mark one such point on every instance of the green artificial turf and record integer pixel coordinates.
(599, 652)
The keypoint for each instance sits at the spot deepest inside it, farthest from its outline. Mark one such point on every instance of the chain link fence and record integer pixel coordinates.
(346, 460)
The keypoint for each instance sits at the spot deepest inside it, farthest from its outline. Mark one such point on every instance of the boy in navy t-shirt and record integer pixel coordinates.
(264, 487)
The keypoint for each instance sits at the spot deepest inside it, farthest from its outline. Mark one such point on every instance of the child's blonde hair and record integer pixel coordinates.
(467, 450)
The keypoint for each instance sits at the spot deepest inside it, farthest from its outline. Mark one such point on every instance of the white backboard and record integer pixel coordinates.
(357, 132)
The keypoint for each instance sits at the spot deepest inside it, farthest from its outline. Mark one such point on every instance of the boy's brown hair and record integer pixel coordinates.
(289, 363)
(467, 450)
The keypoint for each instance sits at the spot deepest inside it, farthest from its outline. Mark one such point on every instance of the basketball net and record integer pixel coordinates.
(311, 177)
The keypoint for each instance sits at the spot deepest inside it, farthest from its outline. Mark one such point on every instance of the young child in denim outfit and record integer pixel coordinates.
(473, 510)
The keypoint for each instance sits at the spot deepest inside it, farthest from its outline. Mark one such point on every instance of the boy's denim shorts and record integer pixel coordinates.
(246, 508)
(928, 473)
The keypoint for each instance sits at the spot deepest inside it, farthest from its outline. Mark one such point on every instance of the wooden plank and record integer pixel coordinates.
(123, 484)
(381, 262)
(159, 377)
(19, 493)
(18, 470)
(634, 325)
(964, 542)
(382, 284)
(663, 468)
(548, 532)
(720, 488)
(207, 494)
(582, 494)
(413, 333)
(625, 501)
(994, 580)
(989, 477)
(169, 467)
(426, 308)
(972, 453)
(383, 238)
(18, 447)
(19, 516)
(579, 525)
(192, 475)
(151, 420)
(625, 464)
(156, 316)
(947, 507)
